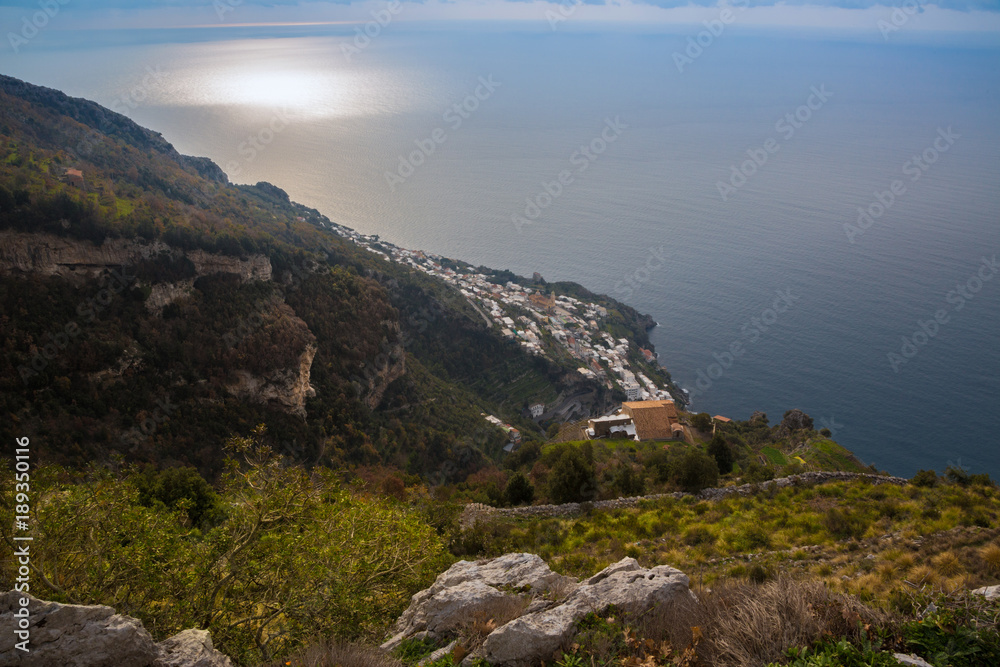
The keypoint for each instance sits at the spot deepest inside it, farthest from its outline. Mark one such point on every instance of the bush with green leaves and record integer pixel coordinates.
(572, 478)
(697, 471)
(297, 556)
(519, 490)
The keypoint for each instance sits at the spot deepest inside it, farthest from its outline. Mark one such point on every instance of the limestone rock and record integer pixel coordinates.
(74, 636)
(467, 589)
(48, 254)
(911, 660)
(191, 648)
(550, 604)
(626, 584)
(989, 592)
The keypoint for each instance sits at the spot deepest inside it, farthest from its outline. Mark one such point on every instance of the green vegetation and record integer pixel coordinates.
(296, 555)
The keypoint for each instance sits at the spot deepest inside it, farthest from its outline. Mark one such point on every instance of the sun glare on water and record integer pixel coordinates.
(304, 93)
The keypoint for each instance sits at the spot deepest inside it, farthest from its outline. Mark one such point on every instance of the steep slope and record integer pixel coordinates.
(150, 309)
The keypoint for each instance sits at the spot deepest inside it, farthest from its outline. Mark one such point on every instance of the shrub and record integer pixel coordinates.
(698, 534)
(844, 524)
(698, 471)
(572, 478)
(720, 450)
(627, 482)
(519, 490)
(181, 488)
(946, 639)
(924, 478)
(702, 421)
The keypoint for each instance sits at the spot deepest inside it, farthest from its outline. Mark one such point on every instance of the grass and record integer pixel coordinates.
(774, 457)
(856, 537)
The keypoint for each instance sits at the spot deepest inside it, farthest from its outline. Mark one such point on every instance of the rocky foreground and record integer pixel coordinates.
(529, 612)
(511, 611)
(70, 635)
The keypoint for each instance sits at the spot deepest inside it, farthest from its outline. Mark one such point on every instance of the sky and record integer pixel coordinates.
(884, 15)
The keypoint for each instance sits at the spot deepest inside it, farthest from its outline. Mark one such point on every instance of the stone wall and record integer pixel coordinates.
(477, 511)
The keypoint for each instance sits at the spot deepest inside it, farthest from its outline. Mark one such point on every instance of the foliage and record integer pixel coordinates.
(519, 490)
(572, 478)
(296, 557)
(181, 489)
(413, 650)
(947, 638)
(702, 421)
(840, 653)
(720, 450)
(697, 471)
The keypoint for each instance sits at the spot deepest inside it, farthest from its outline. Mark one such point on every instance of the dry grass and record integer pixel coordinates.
(991, 556)
(947, 564)
(743, 625)
(339, 654)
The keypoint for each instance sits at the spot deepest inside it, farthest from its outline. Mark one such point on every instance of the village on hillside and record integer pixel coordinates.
(541, 323)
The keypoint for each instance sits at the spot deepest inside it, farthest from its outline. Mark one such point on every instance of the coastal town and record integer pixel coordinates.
(542, 323)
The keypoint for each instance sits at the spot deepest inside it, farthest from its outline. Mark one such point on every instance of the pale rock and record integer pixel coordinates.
(626, 584)
(71, 635)
(911, 660)
(191, 648)
(438, 654)
(989, 592)
(469, 588)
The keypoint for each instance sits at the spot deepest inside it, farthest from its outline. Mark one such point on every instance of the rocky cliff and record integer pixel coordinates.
(47, 254)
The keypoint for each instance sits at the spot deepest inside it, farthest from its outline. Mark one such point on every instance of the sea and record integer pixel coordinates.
(812, 217)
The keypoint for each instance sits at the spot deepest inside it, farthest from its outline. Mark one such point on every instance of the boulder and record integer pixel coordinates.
(191, 648)
(911, 660)
(989, 592)
(468, 589)
(549, 604)
(72, 635)
(625, 584)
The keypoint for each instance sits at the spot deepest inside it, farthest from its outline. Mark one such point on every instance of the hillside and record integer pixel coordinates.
(234, 306)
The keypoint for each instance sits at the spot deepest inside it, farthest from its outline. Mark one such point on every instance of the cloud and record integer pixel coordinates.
(947, 15)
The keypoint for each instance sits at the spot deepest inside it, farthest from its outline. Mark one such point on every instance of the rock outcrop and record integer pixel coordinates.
(536, 609)
(286, 389)
(191, 648)
(51, 255)
(71, 635)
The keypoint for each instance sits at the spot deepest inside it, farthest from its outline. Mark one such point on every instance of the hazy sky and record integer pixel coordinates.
(910, 15)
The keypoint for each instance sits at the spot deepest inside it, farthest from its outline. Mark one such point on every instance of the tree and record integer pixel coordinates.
(519, 490)
(572, 478)
(698, 471)
(720, 450)
(181, 488)
(702, 421)
(627, 482)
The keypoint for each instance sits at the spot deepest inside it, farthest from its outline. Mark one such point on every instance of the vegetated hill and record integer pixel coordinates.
(233, 306)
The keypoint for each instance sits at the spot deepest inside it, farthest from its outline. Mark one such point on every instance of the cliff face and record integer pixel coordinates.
(286, 389)
(379, 373)
(49, 255)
